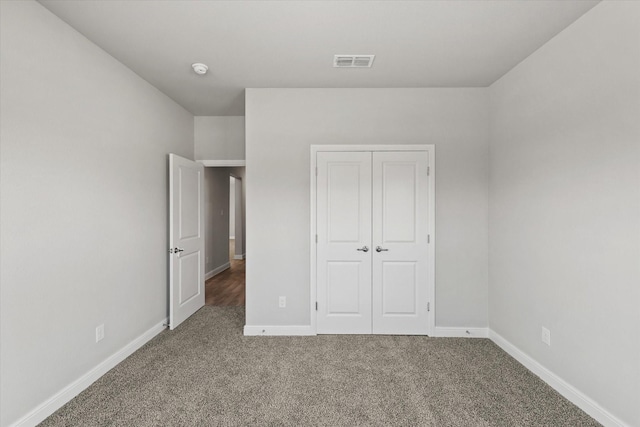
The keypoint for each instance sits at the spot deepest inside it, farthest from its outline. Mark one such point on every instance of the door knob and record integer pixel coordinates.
(176, 250)
(363, 249)
(380, 249)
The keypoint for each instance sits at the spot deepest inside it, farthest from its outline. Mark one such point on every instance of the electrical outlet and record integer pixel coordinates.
(282, 302)
(546, 336)
(100, 333)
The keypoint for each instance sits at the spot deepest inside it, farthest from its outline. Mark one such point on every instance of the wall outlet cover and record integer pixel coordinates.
(100, 333)
(546, 336)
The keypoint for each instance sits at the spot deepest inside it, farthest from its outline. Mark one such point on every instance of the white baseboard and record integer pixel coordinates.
(572, 394)
(461, 332)
(243, 256)
(250, 330)
(217, 270)
(55, 402)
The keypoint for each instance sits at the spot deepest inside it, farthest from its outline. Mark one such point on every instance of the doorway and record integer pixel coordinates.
(224, 236)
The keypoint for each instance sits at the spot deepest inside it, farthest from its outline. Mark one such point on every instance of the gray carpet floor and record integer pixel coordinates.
(232, 380)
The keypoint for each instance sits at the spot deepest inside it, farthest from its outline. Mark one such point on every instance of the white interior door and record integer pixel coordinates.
(186, 239)
(373, 260)
(344, 243)
(400, 233)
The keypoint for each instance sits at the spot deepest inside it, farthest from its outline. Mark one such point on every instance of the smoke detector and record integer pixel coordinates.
(353, 61)
(200, 68)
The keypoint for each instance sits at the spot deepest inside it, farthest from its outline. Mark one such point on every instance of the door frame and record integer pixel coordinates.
(228, 164)
(314, 150)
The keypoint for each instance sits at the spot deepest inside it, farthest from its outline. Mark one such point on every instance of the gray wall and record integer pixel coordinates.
(219, 137)
(240, 211)
(282, 124)
(232, 208)
(216, 190)
(84, 145)
(565, 206)
(216, 195)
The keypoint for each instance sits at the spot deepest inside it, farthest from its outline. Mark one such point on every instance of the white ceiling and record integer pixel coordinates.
(292, 43)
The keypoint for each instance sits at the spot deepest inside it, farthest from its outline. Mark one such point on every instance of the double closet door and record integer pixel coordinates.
(372, 242)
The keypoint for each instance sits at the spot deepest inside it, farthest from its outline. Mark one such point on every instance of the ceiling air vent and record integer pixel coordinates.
(353, 61)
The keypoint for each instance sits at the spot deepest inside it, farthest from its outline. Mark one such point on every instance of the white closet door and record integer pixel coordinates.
(400, 252)
(344, 240)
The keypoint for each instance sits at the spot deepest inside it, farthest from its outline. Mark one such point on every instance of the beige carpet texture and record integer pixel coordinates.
(206, 373)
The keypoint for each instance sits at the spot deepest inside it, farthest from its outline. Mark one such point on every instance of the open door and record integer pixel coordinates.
(186, 239)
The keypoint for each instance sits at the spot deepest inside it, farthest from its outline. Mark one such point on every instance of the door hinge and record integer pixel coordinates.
(428, 170)
(428, 238)
(428, 306)
(316, 171)
(316, 238)
(316, 305)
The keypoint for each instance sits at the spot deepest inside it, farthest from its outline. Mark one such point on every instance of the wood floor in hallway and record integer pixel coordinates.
(227, 288)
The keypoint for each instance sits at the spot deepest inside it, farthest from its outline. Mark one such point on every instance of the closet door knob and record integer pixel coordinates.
(380, 249)
(363, 249)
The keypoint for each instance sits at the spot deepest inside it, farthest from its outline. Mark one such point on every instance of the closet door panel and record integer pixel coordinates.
(344, 230)
(400, 233)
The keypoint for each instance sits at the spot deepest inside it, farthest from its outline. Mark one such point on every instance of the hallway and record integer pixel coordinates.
(228, 287)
